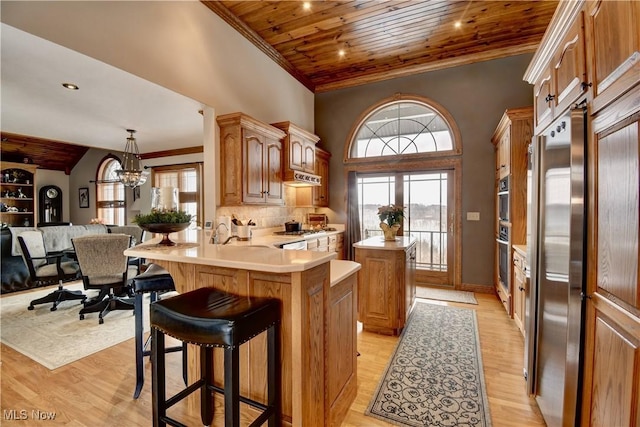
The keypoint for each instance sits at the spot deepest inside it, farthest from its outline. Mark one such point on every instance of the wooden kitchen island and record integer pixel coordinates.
(387, 284)
(314, 393)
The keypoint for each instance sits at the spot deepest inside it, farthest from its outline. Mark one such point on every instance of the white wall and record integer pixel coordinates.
(180, 45)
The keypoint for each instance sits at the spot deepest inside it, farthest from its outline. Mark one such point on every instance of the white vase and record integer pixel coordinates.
(389, 231)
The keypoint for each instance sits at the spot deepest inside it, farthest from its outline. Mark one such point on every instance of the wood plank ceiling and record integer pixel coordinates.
(47, 154)
(384, 39)
(380, 40)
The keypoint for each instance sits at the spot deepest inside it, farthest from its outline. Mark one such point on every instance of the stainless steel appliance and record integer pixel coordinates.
(554, 314)
(504, 256)
(503, 199)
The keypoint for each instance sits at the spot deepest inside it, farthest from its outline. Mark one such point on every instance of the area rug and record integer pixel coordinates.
(446, 295)
(434, 377)
(56, 338)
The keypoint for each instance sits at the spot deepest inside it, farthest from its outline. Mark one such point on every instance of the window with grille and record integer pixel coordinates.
(187, 178)
(401, 128)
(110, 193)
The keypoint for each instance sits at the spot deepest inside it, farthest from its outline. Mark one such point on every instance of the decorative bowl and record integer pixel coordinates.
(165, 229)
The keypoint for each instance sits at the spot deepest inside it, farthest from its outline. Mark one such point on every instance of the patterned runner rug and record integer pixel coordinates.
(446, 295)
(435, 376)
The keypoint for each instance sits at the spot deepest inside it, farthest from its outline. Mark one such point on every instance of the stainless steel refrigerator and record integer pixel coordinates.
(554, 314)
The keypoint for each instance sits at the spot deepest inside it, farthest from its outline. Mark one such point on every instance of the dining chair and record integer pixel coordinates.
(137, 236)
(104, 266)
(47, 268)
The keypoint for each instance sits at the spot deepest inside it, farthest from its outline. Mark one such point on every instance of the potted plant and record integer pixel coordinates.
(164, 221)
(390, 220)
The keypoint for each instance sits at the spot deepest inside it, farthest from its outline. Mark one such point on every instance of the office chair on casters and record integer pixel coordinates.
(137, 236)
(104, 266)
(43, 272)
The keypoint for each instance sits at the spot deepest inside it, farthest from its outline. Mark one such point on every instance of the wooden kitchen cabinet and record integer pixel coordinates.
(612, 350)
(320, 194)
(250, 161)
(17, 194)
(511, 138)
(299, 148)
(520, 284)
(386, 283)
(569, 68)
(613, 49)
(610, 376)
(564, 80)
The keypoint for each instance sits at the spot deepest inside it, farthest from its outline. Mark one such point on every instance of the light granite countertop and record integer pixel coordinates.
(377, 242)
(193, 247)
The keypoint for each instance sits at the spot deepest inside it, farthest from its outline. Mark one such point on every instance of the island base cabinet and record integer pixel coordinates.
(304, 296)
(385, 296)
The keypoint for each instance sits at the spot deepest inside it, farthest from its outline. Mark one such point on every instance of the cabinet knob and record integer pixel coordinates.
(585, 85)
(550, 98)
(521, 288)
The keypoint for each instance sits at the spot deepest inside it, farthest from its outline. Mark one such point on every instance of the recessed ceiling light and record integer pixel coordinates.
(457, 24)
(70, 86)
(306, 5)
(341, 52)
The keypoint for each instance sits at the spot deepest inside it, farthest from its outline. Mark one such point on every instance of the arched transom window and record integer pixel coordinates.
(401, 127)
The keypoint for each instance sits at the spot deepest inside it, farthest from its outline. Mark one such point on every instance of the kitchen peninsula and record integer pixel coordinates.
(314, 391)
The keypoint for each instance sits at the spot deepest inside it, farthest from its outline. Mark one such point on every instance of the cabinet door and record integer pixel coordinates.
(542, 101)
(301, 154)
(309, 157)
(569, 72)
(273, 178)
(377, 291)
(321, 193)
(254, 167)
(504, 153)
(612, 353)
(613, 30)
(519, 289)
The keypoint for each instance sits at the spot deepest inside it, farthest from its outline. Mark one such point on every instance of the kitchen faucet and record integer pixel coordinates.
(215, 238)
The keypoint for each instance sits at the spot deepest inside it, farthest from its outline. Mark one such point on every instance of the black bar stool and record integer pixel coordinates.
(154, 280)
(211, 318)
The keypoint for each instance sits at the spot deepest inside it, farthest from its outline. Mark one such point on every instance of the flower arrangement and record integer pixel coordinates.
(96, 221)
(163, 216)
(391, 214)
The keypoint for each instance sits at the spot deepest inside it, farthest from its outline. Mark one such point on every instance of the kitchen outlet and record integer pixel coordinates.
(473, 216)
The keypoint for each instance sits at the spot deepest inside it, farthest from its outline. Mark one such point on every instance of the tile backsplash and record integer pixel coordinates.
(269, 216)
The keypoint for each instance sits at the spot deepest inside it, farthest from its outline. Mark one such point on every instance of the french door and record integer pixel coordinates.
(428, 198)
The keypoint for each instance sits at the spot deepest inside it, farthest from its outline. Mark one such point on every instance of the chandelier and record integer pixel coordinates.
(130, 173)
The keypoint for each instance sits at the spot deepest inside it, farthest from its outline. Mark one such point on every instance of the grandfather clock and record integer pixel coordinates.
(50, 206)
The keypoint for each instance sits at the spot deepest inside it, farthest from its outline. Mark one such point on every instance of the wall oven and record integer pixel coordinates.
(503, 256)
(503, 199)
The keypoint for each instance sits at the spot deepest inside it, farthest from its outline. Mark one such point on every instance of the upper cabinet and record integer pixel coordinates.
(250, 161)
(564, 80)
(299, 147)
(321, 192)
(17, 194)
(613, 39)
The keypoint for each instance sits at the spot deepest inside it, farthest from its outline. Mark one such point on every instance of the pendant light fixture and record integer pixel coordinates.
(130, 173)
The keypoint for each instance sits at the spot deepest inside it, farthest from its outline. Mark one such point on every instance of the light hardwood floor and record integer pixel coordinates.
(97, 390)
